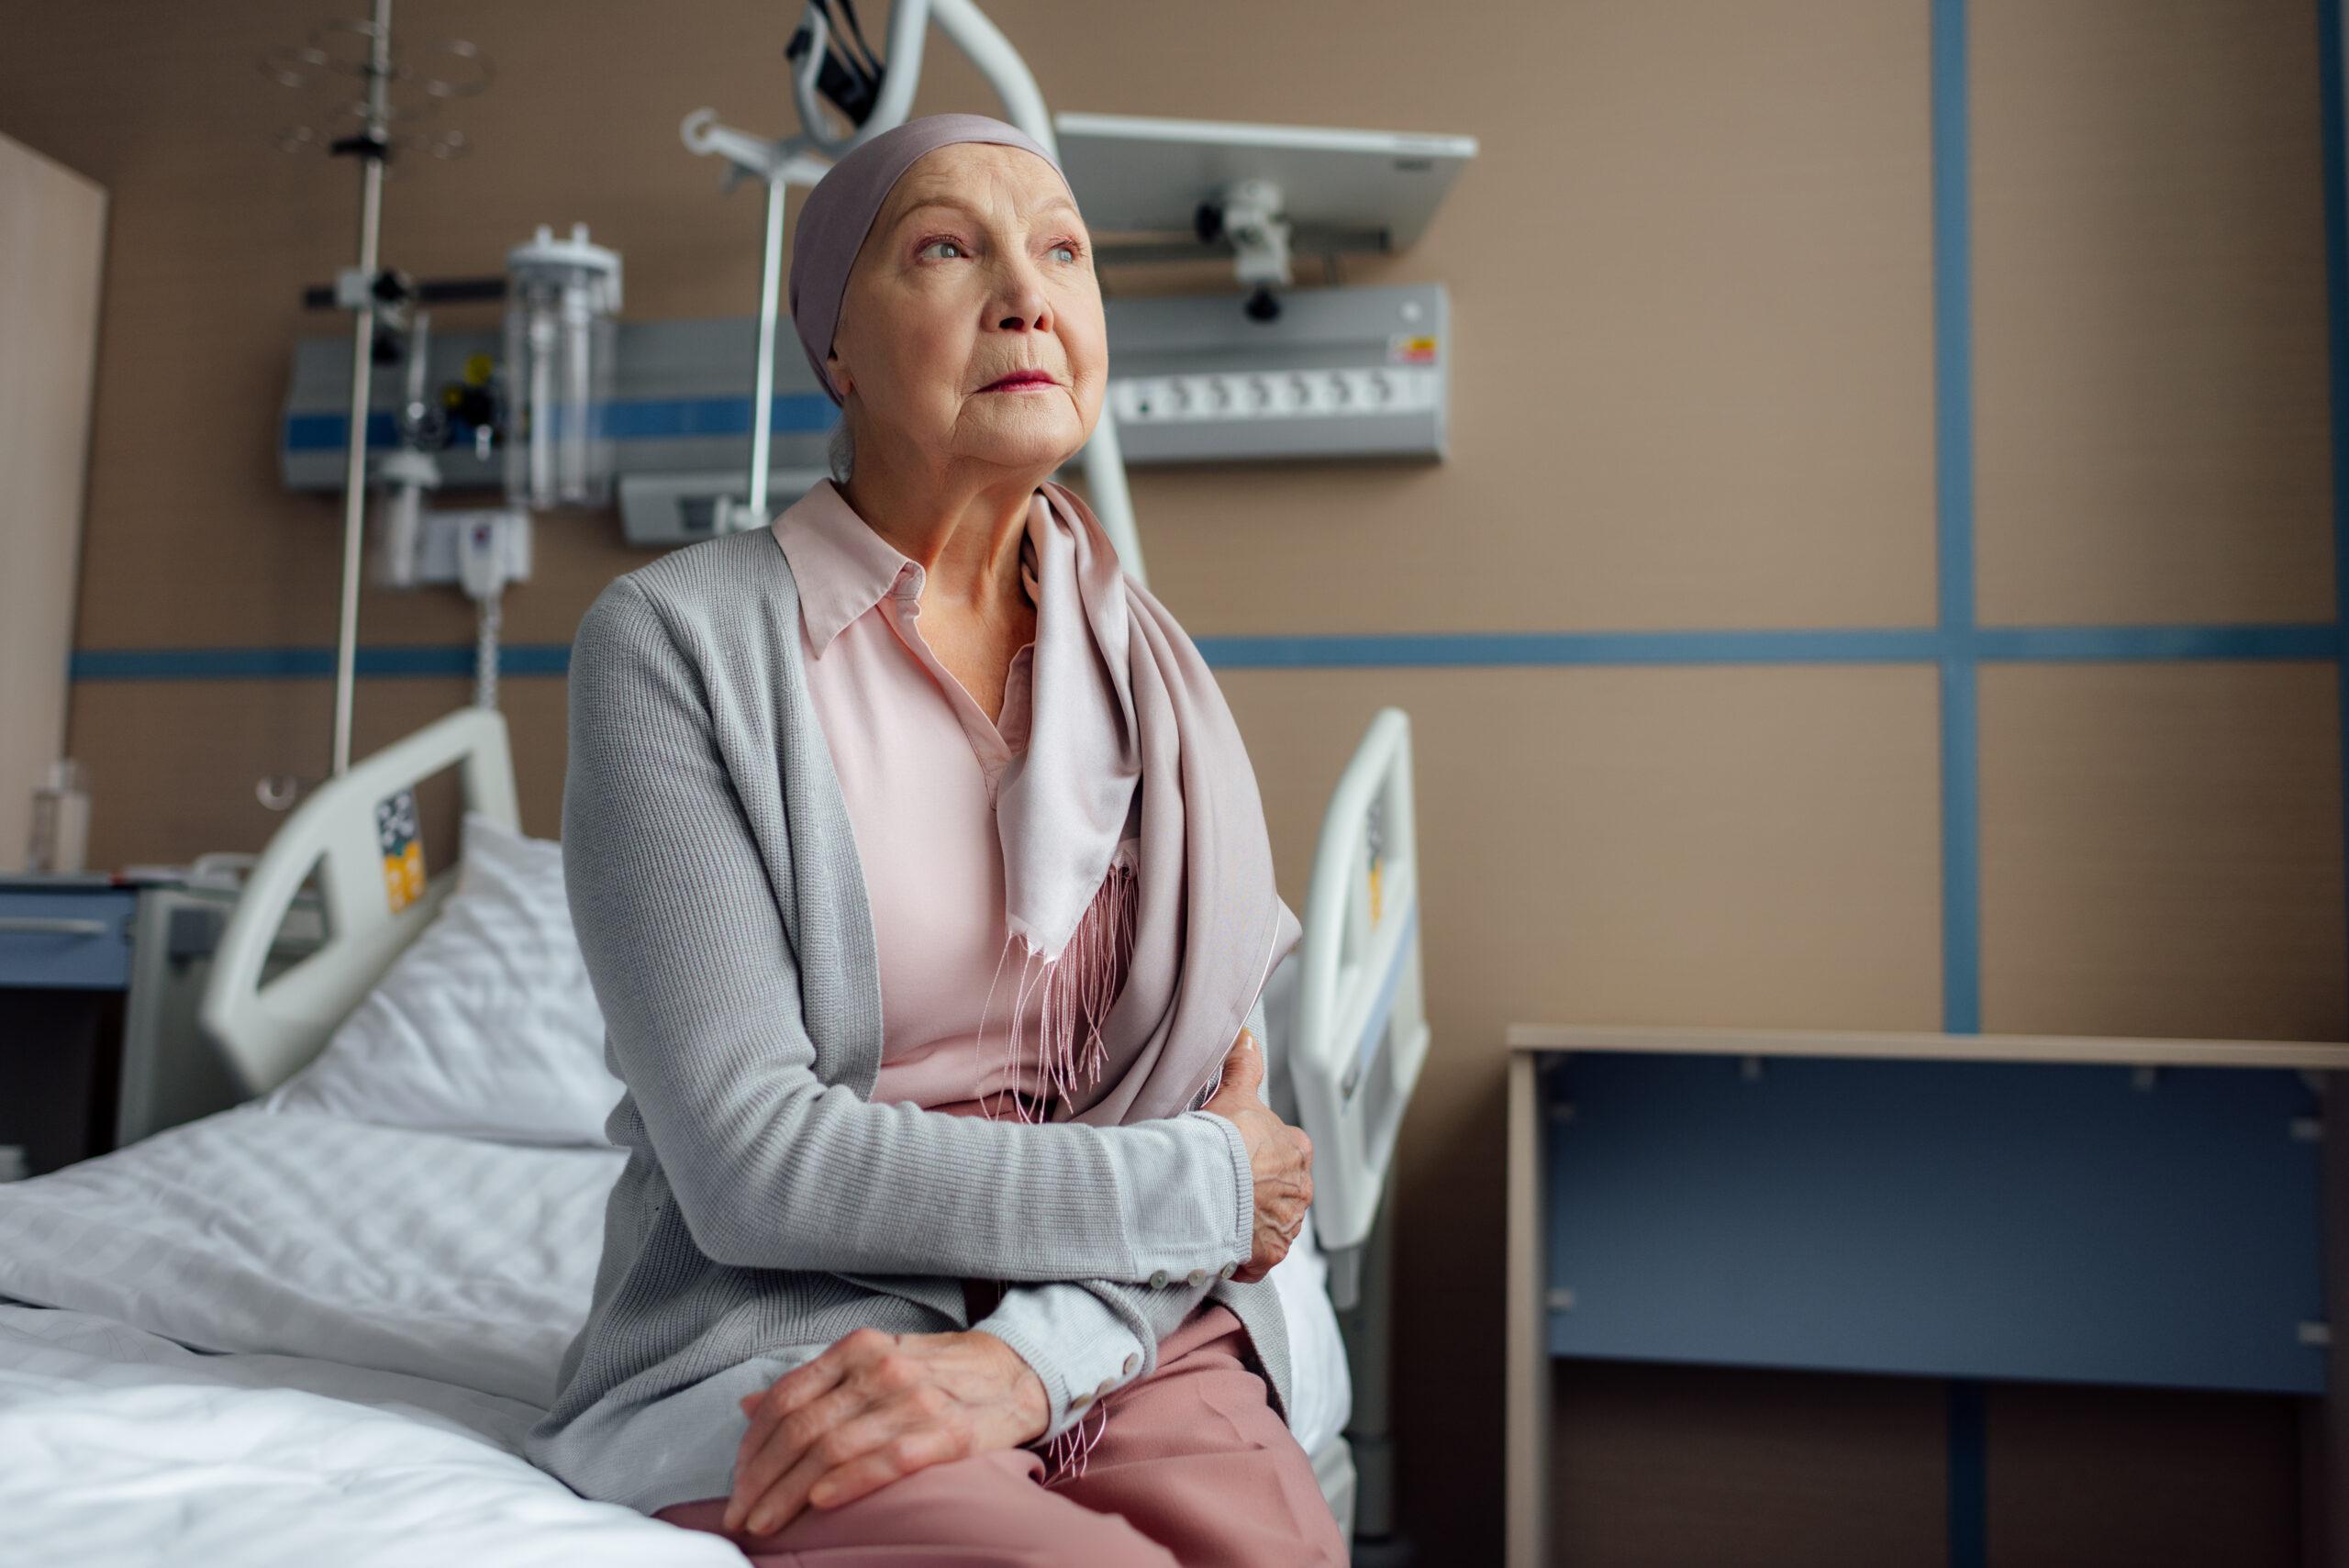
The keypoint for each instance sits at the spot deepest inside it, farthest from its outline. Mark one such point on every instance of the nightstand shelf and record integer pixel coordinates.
(2127, 1212)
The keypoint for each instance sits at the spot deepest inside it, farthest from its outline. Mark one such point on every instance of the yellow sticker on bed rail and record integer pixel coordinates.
(403, 850)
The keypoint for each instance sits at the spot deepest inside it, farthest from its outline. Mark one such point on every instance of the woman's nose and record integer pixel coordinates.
(1026, 311)
(1023, 299)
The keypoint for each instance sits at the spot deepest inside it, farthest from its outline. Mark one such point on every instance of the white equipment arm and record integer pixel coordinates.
(781, 164)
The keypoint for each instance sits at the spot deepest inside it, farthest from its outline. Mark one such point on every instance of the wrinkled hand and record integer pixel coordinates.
(874, 1407)
(1280, 1156)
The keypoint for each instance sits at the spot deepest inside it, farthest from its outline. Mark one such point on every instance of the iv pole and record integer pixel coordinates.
(370, 147)
(802, 159)
(372, 295)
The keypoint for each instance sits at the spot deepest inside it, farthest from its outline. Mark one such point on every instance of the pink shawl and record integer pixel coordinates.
(1129, 728)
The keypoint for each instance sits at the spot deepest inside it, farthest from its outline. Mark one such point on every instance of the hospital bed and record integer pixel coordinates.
(273, 1335)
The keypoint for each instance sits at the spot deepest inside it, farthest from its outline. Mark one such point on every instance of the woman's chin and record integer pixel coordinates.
(1021, 443)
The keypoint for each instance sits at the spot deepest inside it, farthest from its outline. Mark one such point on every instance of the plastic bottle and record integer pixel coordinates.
(60, 821)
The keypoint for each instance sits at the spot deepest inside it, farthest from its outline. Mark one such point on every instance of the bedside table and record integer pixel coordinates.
(64, 983)
(1966, 1208)
(99, 980)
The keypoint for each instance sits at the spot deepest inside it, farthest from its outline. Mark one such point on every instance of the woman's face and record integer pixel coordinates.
(978, 266)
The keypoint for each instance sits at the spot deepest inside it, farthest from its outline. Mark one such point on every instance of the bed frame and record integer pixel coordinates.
(1352, 1007)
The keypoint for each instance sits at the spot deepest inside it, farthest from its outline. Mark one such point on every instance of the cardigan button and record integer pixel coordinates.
(1228, 1270)
(1158, 1280)
(1080, 1402)
(1133, 1360)
(1107, 1385)
(1198, 1276)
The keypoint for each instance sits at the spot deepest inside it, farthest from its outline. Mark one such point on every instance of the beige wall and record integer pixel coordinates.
(52, 233)
(1692, 276)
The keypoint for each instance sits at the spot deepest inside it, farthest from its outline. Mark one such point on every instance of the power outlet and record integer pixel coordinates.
(440, 535)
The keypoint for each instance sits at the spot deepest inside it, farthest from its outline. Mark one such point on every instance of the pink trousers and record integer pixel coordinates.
(1193, 1466)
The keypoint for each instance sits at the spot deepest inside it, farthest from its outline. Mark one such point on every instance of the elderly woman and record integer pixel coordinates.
(923, 883)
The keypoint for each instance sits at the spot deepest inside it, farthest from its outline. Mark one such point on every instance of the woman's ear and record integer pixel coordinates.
(838, 371)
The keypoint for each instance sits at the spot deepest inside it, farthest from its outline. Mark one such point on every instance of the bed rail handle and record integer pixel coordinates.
(268, 1030)
(1361, 1018)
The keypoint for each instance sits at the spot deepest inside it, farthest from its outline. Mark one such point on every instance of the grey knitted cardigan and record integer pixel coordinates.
(767, 1207)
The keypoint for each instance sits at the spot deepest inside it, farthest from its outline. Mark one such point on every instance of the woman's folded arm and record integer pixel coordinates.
(701, 998)
(1087, 1338)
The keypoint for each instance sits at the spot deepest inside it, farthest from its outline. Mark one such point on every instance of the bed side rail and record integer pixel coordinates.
(270, 1030)
(1361, 1016)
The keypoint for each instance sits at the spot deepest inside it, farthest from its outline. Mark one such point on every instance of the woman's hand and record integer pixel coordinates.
(872, 1407)
(1281, 1156)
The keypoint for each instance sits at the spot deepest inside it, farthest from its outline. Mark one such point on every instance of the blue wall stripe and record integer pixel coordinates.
(1892, 645)
(2065, 644)
(1845, 645)
(1428, 650)
(302, 664)
(1857, 645)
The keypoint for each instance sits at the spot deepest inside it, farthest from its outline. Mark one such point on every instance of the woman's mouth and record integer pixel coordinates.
(1020, 381)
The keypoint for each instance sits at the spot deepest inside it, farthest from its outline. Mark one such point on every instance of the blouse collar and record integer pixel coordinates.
(843, 567)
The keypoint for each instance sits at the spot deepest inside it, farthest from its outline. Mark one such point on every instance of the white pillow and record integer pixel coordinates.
(486, 1025)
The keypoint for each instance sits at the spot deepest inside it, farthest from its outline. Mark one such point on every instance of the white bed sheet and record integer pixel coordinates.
(119, 1448)
(460, 1261)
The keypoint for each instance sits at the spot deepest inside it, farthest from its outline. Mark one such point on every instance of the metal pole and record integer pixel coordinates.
(1367, 1328)
(363, 343)
(762, 393)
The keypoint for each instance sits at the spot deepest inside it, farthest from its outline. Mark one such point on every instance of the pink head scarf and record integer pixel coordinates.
(838, 213)
(1128, 727)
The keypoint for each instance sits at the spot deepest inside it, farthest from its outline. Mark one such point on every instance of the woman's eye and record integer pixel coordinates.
(1064, 245)
(935, 243)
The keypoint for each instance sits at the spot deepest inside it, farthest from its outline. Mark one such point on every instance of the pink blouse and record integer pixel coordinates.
(920, 763)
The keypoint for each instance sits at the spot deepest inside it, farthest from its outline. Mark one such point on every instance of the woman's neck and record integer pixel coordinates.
(965, 534)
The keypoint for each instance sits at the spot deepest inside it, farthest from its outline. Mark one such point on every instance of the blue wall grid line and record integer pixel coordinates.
(2334, 123)
(1953, 613)
(1953, 522)
(305, 664)
(1889, 645)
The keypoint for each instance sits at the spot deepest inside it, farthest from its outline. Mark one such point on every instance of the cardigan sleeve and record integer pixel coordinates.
(769, 1166)
(1087, 1338)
